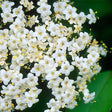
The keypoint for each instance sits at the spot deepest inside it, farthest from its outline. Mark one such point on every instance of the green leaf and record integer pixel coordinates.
(102, 85)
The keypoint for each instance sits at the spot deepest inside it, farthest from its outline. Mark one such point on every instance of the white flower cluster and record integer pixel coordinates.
(53, 41)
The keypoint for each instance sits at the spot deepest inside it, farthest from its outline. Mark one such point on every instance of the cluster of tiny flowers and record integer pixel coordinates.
(49, 45)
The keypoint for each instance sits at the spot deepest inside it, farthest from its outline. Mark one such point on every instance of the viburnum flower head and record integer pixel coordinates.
(38, 46)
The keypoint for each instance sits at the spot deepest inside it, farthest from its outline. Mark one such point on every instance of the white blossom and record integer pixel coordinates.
(46, 42)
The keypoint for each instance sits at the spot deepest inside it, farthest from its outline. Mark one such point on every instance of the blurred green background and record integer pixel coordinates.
(101, 30)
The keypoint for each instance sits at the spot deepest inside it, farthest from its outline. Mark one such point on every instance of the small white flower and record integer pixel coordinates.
(24, 2)
(53, 28)
(81, 18)
(72, 105)
(58, 93)
(47, 63)
(66, 68)
(32, 80)
(40, 32)
(67, 83)
(54, 83)
(5, 76)
(30, 99)
(37, 69)
(22, 32)
(102, 51)
(69, 11)
(77, 28)
(21, 103)
(44, 9)
(59, 6)
(59, 55)
(17, 25)
(6, 6)
(53, 103)
(52, 74)
(73, 19)
(41, 1)
(91, 17)
(18, 11)
(78, 61)
(17, 78)
(62, 43)
(88, 97)
(7, 17)
(85, 37)
(93, 56)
